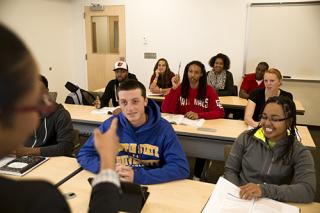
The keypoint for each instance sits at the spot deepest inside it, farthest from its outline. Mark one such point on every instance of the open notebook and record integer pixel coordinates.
(225, 199)
(20, 166)
(181, 120)
(104, 111)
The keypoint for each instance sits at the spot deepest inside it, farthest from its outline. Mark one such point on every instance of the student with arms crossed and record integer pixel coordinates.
(160, 81)
(19, 108)
(150, 150)
(253, 81)
(272, 81)
(193, 98)
(53, 137)
(269, 161)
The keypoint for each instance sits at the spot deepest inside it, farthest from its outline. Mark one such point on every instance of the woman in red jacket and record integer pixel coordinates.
(193, 98)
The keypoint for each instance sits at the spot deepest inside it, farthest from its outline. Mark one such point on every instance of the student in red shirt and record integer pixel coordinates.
(193, 98)
(253, 81)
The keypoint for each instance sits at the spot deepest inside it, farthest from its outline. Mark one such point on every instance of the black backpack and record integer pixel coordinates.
(78, 96)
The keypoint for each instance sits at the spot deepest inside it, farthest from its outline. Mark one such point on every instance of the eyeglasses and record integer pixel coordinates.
(45, 107)
(272, 119)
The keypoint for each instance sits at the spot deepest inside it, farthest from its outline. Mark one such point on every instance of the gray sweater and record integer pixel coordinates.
(252, 161)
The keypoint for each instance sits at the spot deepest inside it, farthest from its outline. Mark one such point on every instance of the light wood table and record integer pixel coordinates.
(53, 170)
(207, 142)
(177, 196)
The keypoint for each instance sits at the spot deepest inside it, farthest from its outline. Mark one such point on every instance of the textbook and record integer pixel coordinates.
(181, 120)
(225, 198)
(104, 111)
(20, 166)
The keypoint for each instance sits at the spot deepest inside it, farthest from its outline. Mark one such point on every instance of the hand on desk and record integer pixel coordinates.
(192, 115)
(25, 151)
(107, 145)
(250, 191)
(126, 173)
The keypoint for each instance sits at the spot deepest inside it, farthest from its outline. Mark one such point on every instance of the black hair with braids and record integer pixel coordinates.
(289, 109)
(185, 85)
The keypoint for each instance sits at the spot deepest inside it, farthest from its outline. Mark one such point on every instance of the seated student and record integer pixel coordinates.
(19, 108)
(122, 73)
(150, 150)
(219, 77)
(53, 137)
(269, 161)
(160, 81)
(272, 81)
(195, 99)
(253, 81)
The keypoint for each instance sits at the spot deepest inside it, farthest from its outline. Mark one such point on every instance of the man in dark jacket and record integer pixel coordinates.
(122, 73)
(54, 134)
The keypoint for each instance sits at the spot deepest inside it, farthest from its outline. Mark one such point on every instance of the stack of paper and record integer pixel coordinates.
(225, 198)
(103, 111)
(181, 120)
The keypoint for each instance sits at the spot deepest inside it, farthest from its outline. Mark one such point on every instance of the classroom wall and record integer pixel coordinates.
(178, 30)
(46, 26)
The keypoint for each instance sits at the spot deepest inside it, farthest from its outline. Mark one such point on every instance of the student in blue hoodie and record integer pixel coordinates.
(150, 150)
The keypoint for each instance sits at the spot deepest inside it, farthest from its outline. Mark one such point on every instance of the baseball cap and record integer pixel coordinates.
(120, 65)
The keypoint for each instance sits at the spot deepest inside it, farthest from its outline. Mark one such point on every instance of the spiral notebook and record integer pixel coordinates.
(20, 166)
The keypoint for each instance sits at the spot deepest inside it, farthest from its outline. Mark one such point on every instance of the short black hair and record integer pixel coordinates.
(225, 59)
(44, 80)
(131, 84)
(265, 64)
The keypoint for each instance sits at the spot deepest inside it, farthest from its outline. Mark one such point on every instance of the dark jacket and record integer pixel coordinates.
(111, 92)
(54, 134)
(41, 196)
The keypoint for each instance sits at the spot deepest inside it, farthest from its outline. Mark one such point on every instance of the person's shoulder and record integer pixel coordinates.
(258, 91)
(285, 93)
(250, 76)
(131, 76)
(229, 73)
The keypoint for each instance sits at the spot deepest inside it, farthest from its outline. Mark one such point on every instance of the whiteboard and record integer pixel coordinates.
(286, 36)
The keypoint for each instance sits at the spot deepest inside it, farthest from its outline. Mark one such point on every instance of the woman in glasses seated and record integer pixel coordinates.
(19, 116)
(269, 161)
(272, 81)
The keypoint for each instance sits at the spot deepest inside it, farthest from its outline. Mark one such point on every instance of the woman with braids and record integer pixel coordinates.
(269, 161)
(160, 81)
(193, 98)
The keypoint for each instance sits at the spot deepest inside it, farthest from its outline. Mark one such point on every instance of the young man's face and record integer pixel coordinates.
(133, 105)
(121, 74)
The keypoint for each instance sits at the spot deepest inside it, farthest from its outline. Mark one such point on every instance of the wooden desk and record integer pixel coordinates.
(196, 143)
(53, 170)
(177, 196)
(235, 102)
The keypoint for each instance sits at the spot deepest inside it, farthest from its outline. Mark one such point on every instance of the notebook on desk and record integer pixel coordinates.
(20, 166)
(225, 198)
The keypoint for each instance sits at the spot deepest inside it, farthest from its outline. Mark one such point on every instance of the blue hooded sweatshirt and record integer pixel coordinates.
(152, 150)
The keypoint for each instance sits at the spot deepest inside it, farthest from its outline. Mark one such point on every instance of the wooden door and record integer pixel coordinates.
(105, 43)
